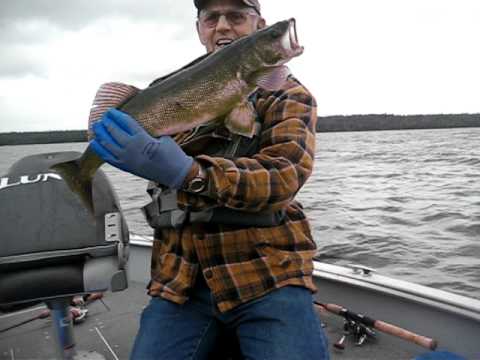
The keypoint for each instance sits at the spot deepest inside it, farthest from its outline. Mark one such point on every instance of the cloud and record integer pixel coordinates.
(50, 68)
(32, 31)
(74, 14)
(16, 63)
(20, 46)
(366, 57)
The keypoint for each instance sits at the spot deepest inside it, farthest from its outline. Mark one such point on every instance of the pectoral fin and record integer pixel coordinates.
(241, 120)
(273, 79)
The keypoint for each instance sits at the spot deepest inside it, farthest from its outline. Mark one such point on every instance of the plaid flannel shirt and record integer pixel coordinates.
(243, 263)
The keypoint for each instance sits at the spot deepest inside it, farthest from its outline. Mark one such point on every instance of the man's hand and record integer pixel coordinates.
(123, 143)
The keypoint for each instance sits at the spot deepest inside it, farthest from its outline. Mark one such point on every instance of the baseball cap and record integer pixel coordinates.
(255, 4)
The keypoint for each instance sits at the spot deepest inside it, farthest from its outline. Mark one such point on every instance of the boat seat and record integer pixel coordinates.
(78, 277)
(53, 245)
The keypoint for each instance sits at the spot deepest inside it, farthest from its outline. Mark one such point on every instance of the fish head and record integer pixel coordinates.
(277, 44)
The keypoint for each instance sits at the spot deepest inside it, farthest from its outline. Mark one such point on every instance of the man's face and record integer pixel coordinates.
(222, 21)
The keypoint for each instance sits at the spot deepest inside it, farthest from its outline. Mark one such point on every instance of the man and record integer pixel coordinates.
(247, 266)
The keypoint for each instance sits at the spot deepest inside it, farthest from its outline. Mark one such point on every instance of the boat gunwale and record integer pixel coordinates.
(447, 301)
(457, 304)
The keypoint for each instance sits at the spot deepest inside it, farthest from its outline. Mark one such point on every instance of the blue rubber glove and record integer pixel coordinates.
(123, 143)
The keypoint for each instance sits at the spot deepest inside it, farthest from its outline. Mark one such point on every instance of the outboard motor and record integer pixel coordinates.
(51, 246)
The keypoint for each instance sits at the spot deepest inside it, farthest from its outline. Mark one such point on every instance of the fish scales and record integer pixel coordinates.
(216, 88)
(179, 103)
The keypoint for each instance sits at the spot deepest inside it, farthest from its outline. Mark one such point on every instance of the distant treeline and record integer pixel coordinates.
(324, 124)
(396, 122)
(44, 137)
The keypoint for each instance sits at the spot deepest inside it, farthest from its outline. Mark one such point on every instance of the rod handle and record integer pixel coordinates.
(421, 340)
(334, 308)
(388, 328)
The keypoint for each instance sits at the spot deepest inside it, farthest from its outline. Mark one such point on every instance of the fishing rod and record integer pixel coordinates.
(45, 313)
(361, 326)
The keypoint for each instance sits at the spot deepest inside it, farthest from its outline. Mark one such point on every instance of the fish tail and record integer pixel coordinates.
(78, 175)
(81, 186)
(109, 95)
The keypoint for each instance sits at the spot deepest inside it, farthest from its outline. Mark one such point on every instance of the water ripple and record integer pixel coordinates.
(444, 215)
(406, 202)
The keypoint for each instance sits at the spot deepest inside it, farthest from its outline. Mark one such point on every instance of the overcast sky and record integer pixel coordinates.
(361, 56)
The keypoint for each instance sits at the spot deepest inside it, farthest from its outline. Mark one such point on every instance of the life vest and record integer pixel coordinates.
(163, 210)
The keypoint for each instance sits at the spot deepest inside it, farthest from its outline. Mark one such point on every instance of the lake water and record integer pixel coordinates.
(404, 202)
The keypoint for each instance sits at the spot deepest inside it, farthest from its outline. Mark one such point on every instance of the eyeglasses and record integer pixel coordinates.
(234, 17)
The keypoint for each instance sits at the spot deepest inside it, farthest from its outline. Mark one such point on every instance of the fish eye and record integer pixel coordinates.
(276, 33)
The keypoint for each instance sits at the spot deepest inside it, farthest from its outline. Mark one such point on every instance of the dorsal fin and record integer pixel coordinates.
(109, 95)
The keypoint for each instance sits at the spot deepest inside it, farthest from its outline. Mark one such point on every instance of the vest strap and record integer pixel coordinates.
(163, 211)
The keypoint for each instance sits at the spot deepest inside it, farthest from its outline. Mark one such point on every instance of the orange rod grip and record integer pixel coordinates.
(336, 309)
(391, 329)
(406, 335)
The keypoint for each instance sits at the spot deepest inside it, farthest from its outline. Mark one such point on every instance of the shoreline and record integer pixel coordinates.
(336, 123)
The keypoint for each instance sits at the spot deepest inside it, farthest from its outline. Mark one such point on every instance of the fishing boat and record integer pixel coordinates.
(52, 251)
(430, 318)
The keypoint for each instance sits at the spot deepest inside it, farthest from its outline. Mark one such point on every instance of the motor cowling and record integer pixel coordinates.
(43, 222)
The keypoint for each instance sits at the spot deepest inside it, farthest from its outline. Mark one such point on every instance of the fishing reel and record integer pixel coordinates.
(360, 333)
(361, 328)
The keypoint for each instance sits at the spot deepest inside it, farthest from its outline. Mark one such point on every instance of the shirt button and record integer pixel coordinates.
(208, 274)
(285, 263)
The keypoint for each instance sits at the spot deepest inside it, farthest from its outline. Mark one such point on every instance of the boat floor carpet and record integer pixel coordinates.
(111, 332)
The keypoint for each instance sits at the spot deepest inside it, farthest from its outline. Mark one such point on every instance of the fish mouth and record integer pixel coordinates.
(290, 40)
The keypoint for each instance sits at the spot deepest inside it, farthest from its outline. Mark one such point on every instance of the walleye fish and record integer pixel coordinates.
(214, 89)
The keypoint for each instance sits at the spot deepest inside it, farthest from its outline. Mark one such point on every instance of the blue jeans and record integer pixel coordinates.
(281, 325)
